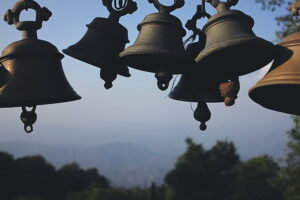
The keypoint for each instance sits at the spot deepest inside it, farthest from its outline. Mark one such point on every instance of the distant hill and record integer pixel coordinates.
(123, 163)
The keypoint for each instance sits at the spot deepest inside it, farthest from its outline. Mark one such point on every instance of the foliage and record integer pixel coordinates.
(199, 173)
(270, 4)
(288, 23)
(100, 193)
(288, 179)
(33, 178)
(255, 179)
(28, 198)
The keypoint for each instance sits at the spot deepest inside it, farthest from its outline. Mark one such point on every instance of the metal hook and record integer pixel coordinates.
(121, 4)
(192, 23)
(167, 9)
(28, 128)
(117, 11)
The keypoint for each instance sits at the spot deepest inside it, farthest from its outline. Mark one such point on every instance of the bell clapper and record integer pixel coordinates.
(163, 80)
(202, 114)
(28, 118)
(108, 76)
(229, 90)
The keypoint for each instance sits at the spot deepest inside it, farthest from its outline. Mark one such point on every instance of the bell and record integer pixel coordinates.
(195, 88)
(159, 47)
(232, 49)
(279, 89)
(202, 89)
(31, 68)
(199, 87)
(102, 43)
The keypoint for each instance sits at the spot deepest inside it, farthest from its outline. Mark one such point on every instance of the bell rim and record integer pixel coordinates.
(254, 42)
(6, 100)
(207, 98)
(176, 68)
(254, 96)
(70, 51)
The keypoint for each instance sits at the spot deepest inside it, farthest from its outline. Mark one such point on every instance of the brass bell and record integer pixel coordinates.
(193, 87)
(198, 87)
(31, 68)
(103, 41)
(159, 47)
(232, 49)
(280, 87)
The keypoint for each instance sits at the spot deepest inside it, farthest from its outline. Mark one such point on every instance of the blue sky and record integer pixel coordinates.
(135, 110)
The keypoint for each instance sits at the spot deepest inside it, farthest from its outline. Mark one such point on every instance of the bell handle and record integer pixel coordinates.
(200, 13)
(122, 8)
(12, 16)
(167, 9)
(222, 6)
(295, 8)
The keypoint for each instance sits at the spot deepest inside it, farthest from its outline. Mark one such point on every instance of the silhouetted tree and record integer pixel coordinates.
(92, 177)
(34, 176)
(7, 176)
(72, 179)
(100, 194)
(28, 198)
(255, 180)
(289, 178)
(201, 174)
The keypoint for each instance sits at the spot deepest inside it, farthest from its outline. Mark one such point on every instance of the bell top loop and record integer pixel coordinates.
(295, 8)
(29, 28)
(222, 6)
(119, 8)
(192, 23)
(167, 9)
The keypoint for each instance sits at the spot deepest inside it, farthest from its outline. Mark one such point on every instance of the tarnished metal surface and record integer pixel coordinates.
(279, 89)
(232, 49)
(103, 41)
(159, 46)
(195, 87)
(32, 68)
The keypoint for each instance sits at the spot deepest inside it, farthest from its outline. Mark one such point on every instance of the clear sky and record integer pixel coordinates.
(134, 110)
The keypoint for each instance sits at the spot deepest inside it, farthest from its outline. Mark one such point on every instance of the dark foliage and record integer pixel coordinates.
(32, 177)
